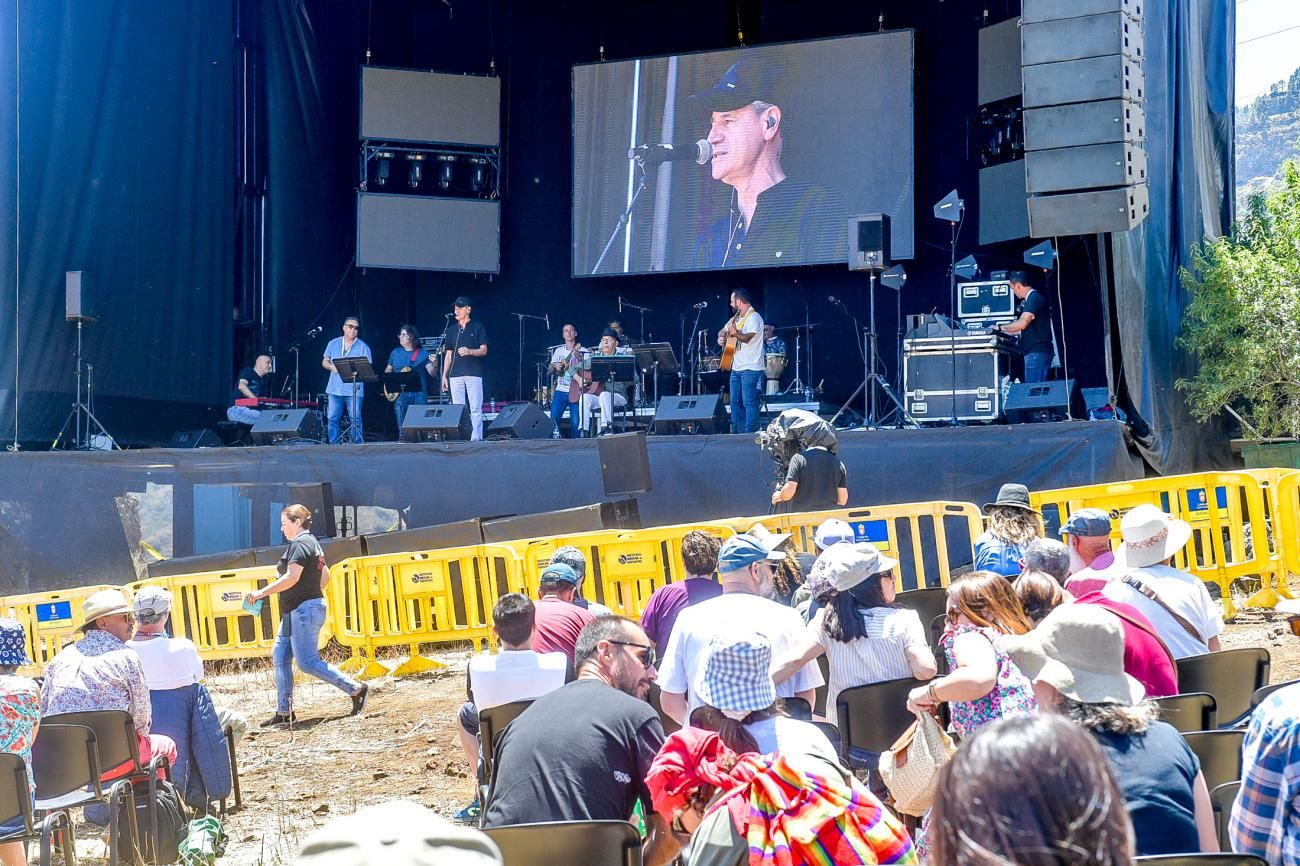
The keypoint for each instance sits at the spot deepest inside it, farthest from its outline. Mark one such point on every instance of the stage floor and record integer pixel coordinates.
(80, 518)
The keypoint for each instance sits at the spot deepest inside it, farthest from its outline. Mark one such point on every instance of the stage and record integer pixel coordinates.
(80, 518)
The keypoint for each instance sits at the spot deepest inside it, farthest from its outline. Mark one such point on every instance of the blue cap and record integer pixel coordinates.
(741, 551)
(744, 82)
(558, 572)
(1087, 522)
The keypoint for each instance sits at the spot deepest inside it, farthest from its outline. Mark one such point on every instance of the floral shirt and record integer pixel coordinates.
(1013, 695)
(20, 710)
(98, 672)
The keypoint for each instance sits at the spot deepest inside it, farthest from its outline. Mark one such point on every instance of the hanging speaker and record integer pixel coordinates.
(520, 421)
(624, 463)
(869, 242)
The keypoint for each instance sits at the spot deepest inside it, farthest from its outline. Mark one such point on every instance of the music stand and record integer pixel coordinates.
(355, 371)
(609, 369)
(402, 381)
(655, 358)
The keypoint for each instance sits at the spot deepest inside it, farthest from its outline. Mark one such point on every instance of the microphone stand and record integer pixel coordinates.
(642, 311)
(625, 216)
(519, 377)
(686, 353)
(296, 348)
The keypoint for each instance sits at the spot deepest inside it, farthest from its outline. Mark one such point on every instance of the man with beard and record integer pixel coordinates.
(582, 752)
(745, 570)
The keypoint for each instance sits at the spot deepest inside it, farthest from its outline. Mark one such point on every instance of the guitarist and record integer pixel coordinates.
(409, 355)
(595, 393)
(565, 361)
(742, 354)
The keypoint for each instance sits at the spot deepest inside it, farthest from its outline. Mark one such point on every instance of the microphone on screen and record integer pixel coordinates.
(701, 305)
(698, 152)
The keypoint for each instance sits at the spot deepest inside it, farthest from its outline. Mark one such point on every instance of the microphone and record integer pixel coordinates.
(698, 152)
(314, 331)
(548, 321)
(701, 305)
(620, 303)
(451, 315)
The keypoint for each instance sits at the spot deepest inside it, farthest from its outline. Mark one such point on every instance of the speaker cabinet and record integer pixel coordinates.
(685, 414)
(869, 242)
(79, 303)
(442, 422)
(1089, 212)
(1042, 401)
(616, 514)
(624, 463)
(520, 421)
(281, 426)
(195, 439)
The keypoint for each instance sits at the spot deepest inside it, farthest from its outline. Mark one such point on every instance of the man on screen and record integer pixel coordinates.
(772, 219)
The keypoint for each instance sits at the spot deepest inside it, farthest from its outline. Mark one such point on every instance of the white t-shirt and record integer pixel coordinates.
(1182, 592)
(878, 657)
(169, 662)
(791, 737)
(559, 354)
(732, 612)
(514, 675)
(749, 356)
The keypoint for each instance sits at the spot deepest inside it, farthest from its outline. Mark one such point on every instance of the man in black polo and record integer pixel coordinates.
(815, 481)
(248, 386)
(1034, 327)
(464, 344)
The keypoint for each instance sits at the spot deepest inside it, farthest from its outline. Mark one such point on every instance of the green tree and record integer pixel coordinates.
(1243, 322)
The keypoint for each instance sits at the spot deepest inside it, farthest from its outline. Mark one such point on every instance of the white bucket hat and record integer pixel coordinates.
(106, 602)
(845, 565)
(1078, 649)
(1150, 537)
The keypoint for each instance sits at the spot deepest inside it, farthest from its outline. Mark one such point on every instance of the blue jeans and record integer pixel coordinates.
(1036, 367)
(745, 388)
(296, 641)
(337, 404)
(559, 405)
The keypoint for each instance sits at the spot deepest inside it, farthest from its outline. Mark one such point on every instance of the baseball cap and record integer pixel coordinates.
(741, 551)
(151, 601)
(744, 82)
(844, 566)
(1090, 522)
(560, 573)
(397, 833)
(832, 531)
(462, 301)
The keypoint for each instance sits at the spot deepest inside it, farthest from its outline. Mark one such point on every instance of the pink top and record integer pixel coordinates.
(1146, 658)
(558, 625)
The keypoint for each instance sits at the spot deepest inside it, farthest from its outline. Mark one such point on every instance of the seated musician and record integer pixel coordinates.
(409, 356)
(248, 386)
(607, 396)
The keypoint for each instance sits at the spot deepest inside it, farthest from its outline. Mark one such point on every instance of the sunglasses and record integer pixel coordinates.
(648, 659)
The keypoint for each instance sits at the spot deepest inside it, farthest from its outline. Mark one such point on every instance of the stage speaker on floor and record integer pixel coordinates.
(79, 303)
(280, 426)
(442, 422)
(1042, 401)
(684, 414)
(624, 463)
(869, 242)
(520, 421)
(204, 438)
(615, 514)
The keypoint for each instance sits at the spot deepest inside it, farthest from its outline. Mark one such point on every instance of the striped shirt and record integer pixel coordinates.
(1266, 816)
(880, 656)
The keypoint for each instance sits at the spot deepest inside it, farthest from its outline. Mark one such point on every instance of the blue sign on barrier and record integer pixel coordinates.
(1197, 500)
(875, 531)
(54, 612)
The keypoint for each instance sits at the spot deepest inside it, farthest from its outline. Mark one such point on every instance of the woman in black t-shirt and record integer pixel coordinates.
(303, 578)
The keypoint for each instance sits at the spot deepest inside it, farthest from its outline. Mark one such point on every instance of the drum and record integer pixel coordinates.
(775, 365)
(711, 364)
(542, 396)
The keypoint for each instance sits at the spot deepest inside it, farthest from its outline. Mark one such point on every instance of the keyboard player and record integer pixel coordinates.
(248, 385)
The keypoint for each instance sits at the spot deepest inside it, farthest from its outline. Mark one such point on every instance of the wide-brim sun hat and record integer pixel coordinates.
(737, 675)
(1078, 649)
(106, 602)
(1150, 537)
(13, 643)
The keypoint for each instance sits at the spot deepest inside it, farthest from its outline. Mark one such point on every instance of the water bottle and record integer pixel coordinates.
(808, 394)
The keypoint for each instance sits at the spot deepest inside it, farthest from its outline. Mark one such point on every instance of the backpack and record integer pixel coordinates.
(173, 823)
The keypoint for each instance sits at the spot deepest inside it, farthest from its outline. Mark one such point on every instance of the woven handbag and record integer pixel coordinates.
(910, 769)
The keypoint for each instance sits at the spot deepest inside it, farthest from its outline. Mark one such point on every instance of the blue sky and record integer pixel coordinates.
(1268, 44)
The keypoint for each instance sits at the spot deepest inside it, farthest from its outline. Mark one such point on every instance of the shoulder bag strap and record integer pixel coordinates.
(1150, 593)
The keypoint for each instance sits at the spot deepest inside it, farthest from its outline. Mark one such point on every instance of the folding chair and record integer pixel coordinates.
(573, 843)
(117, 744)
(492, 723)
(1221, 800)
(872, 717)
(1188, 712)
(1200, 860)
(1219, 753)
(1258, 697)
(65, 761)
(16, 802)
(928, 603)
(1232, 676)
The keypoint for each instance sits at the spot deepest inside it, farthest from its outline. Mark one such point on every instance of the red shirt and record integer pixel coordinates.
(558, 625)
(1146, 659)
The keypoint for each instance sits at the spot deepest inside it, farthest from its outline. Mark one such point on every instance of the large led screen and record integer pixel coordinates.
(752, 157)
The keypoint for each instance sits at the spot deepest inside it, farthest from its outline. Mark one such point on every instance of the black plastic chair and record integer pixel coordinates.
(1200, 860)
(492, 723)
(823, 691)
(1232, 676)
(16, 803)
(1219, 753)
(1221, 800)
(798, 708)
(872, 717)
(1188, 712)
(65, 761)
(937, 625)
(928, 603)
(573, 843)
(117, 745)
(1258, 697)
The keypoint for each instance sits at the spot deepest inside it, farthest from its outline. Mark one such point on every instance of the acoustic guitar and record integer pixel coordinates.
(578, 387)
(729, 348)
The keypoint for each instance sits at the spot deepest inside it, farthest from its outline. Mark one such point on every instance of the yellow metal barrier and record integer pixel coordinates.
(51, 620)
(1284, 506)
(1224, 509)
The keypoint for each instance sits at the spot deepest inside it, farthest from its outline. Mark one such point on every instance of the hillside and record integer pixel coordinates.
(1268, 134)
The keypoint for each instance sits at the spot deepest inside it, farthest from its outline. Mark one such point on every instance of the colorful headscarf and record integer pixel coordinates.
(688, 759)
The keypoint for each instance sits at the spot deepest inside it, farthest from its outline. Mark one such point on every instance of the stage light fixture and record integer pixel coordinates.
(1041, 255)
(477, 173)
(966, 268)
(446, 168)
(414, 169)
(894, 278)
(950, 208)
(382, 165)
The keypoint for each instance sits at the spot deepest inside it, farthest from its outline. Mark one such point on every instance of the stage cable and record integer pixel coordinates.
(18, 213)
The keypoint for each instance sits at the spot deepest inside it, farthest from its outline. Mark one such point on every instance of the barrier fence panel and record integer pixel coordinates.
(1225, 509)
(1284, 501)
(51, 620)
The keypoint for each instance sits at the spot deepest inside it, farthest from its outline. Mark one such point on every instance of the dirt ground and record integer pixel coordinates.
(405, 745)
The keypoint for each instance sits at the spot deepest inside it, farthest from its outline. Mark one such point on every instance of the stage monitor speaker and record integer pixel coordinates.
(1041, 401)
(685, 414)
(442, 422)
(79, 304)
(1088, 213)
(281, 426)
(520, 421)
(624, 463)
(204, 438)
(615, 514)
(869, 242)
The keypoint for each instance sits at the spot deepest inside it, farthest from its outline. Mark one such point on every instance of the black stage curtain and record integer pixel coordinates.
(1189, 73)
(116, 159)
